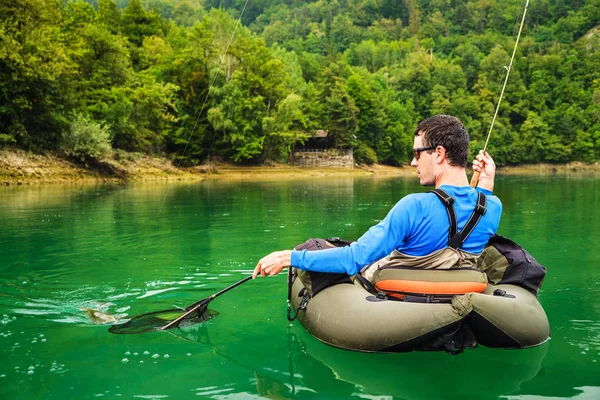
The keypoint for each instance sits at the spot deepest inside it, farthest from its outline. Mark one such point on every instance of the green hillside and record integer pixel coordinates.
(183, 80)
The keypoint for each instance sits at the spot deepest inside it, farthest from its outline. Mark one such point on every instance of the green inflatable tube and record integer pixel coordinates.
(349, 317)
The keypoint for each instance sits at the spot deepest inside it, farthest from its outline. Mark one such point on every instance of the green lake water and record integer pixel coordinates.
(130, 249)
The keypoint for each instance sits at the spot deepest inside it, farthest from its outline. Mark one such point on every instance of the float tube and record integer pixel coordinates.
(349, 317)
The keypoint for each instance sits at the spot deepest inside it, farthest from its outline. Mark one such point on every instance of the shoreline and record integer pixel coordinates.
(18, 167)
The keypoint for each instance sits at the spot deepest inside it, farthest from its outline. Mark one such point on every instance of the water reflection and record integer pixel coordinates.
(309, 368)
(583, 393)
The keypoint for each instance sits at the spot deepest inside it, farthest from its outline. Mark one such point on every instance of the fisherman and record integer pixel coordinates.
(417, 227)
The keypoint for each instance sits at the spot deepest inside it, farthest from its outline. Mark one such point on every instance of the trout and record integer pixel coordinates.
(98, 317)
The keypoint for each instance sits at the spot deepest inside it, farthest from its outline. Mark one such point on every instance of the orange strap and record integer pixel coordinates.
(430, 288)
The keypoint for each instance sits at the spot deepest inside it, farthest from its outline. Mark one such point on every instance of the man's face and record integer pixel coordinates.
(424, 165)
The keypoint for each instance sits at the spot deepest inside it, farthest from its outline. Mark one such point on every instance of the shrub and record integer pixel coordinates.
(363, 154)
(6, 140)
(86, 140)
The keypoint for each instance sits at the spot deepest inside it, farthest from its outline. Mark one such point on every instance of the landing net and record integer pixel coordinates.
(157, 319)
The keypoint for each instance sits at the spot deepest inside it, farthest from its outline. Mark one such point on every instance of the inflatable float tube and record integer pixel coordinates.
(349, 317)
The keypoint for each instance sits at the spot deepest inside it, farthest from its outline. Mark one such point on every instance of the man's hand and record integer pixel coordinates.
(486, 166)
(273, 263)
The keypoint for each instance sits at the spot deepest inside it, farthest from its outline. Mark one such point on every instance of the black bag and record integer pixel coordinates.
(505, 262)
(314, 282)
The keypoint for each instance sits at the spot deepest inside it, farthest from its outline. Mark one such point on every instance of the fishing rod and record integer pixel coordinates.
(476, 174)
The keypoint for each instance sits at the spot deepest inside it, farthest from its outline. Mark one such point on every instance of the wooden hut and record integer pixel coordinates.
(317, 153)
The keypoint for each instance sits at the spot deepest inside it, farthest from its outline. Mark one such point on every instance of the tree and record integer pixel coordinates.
(341, 117)
(369, 121)
(312, 107)
(109, 15)
(343, 33)
(284, 128)
(35, 71)
(469, 58)
(136, 24)
(152, 117)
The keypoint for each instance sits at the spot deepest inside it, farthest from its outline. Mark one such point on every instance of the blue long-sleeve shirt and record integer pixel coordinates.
(417, 225)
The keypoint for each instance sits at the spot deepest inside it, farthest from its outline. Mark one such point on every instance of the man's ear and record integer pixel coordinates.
(440, 154)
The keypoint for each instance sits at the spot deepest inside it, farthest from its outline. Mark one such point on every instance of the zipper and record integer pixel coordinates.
(526, 266)
(526, 269)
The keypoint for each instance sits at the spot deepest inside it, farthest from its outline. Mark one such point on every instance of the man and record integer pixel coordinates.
(418, 224)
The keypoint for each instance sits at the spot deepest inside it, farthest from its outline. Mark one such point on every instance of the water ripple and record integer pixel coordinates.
(153, 292)
(591, 335)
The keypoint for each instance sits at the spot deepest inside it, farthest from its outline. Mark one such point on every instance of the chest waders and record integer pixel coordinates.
(435, 277)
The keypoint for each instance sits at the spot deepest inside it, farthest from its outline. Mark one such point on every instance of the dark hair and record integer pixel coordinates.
(448, 132)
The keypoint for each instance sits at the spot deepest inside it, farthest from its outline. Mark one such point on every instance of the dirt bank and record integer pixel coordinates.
(550, 169)
(280, 171)
(19, 167)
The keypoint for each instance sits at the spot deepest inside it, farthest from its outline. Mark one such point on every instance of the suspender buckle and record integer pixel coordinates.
(381, 295)
(480, 209)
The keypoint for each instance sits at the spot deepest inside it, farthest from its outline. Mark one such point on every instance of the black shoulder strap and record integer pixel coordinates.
(448, 202)
(456, 239)
(367, 284)
(475, 217)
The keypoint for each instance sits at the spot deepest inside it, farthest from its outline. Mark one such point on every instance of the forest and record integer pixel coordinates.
(247, 80)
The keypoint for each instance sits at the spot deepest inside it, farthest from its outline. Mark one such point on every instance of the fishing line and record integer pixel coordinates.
(508, 69)
(221, 61)
(475, 178)
(205, 102)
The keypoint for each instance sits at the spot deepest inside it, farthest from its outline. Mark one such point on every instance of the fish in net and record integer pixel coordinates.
(158, 319)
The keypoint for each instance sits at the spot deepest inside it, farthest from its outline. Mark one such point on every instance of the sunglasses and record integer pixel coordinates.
(418, 151)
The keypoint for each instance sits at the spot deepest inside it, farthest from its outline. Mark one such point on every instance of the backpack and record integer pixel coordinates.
(505, 262)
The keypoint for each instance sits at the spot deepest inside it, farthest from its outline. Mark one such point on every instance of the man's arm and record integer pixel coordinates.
(377, 242)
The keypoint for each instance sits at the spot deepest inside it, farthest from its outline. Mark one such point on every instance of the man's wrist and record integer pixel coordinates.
(486, 183)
